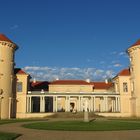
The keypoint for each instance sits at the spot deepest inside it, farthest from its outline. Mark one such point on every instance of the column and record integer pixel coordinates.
(101, 105)
(82, 109)
(10, 101)
(79, 104)
(106, 103)
(116, 104)
(41, 104)
(56, 104)
(67, 104)
(94, 104)
(113, 106)
(30, 104)
(119, 104)
(27, 104)
(91, 104)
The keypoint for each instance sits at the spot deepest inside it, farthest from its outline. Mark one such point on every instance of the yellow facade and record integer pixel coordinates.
(71, 88)
(21, 94)
(19, 98)
(125, 94)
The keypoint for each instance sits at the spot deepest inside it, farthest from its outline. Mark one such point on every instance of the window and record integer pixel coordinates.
(125, 87)
(19, 86)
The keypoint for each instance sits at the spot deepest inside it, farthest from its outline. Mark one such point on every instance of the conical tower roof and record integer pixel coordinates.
(136, 43)
(4, 38)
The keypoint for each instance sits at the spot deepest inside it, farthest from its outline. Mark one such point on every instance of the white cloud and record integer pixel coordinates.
(122, 53)
(113, 53)
(102, 62)
(52, 73)
(90, 60)
(117, 65)
(114, 61)
(13, 27)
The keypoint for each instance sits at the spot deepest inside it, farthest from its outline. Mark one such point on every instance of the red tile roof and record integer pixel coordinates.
(4, 38)
(39, 85)
(19, 71)
(70, 82)
(124, 72)
(137, 43)
(96, 85)
(102, 85)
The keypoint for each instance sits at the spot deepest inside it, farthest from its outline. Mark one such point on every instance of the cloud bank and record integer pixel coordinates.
(52, 73)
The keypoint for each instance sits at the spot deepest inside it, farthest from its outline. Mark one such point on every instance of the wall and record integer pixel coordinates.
(70, 88)
(21, 96)
(134, 53)
(6, 77)
(125, 97)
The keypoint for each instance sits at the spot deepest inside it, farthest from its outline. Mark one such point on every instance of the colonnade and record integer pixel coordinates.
(102, 105)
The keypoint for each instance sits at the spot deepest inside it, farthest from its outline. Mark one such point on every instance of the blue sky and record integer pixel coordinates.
(71, 39)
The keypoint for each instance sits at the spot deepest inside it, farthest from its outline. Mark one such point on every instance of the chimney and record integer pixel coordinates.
(106, 81)
(88, 80)
(34, 80)
(57, 79)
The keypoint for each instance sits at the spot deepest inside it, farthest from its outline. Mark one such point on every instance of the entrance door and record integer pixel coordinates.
(72, 105)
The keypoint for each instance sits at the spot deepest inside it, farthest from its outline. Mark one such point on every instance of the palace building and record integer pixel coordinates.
(22, 98)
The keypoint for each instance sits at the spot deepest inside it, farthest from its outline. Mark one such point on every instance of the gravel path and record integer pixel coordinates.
(31, 134)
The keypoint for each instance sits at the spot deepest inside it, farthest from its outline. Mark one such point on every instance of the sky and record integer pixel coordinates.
(71, 39)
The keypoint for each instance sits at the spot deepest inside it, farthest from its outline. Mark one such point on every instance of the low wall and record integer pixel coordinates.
(42, 115)
(114, 114)
(33, 115)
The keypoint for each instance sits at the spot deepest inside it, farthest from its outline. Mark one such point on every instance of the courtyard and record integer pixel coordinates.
(67, 129)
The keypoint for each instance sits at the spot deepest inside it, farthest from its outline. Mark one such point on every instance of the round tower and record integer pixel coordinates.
(134, 55)
(7, 50)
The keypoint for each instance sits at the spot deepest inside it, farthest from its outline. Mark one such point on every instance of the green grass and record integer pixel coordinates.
(98, 125)
(18, 120)
(11, 136)
(8, 136)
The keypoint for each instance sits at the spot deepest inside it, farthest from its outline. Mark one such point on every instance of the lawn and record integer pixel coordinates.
(8, 136)
(97, 125)
(16, 120)
(11, 136)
